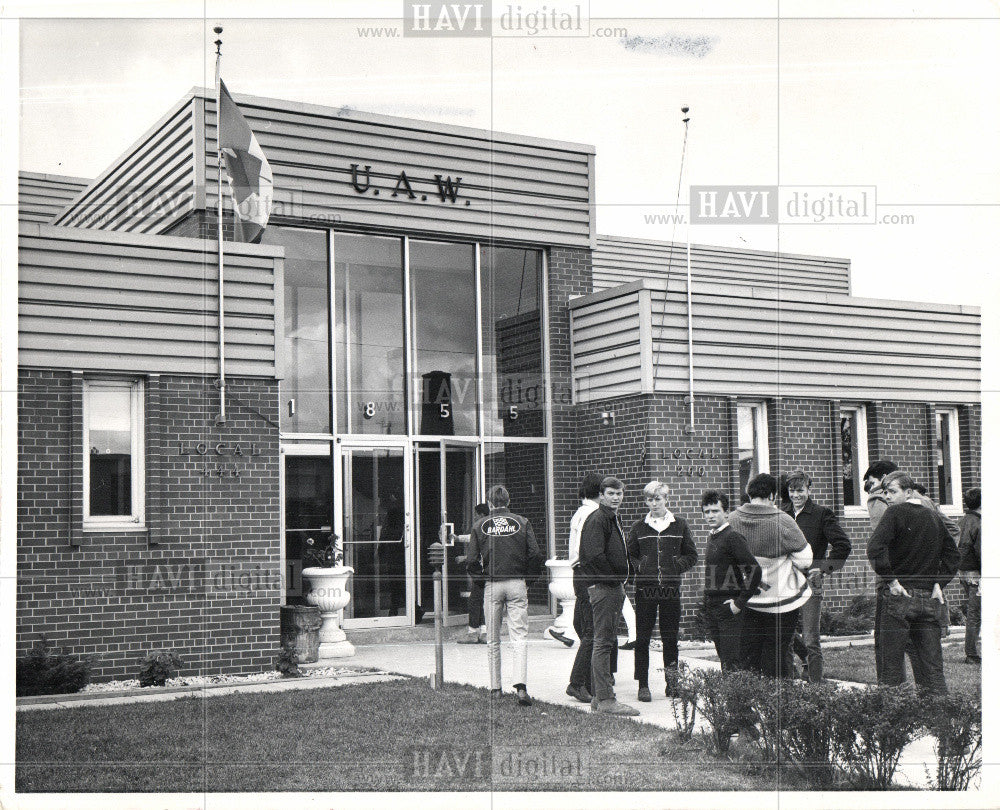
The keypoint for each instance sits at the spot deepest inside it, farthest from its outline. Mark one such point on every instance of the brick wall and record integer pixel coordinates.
(203, 579)
(650, 439)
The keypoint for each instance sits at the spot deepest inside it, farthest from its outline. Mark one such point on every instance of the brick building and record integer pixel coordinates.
(430, 312)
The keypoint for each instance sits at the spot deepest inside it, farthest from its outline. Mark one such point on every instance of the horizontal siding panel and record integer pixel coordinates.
(120, 302)
(810, 345)
(40, 197)
(619, 261)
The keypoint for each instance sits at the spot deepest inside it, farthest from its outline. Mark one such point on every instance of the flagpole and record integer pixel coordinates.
(218, 155)
(690, 312)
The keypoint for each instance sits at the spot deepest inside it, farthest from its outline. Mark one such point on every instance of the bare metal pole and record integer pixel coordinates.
(690, 325)
(222, 296)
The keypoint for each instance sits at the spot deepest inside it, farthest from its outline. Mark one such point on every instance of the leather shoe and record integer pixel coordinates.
(644, 696)
(522, 696)
(561, 637)
(579, 692)
(628, 645)
(614, 707)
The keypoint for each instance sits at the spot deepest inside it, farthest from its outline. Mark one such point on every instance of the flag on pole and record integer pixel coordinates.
(250, 179)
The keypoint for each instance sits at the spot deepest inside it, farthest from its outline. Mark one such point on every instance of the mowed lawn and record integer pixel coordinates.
(858, 664)
(390, 736)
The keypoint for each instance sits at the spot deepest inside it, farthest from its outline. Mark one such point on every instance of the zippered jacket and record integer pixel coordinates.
(661, 557)
(603, 553)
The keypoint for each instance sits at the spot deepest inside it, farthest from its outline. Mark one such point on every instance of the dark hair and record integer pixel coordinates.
(904, 481)
(482, 509)
(973, 498)
(610, 482)
(919, 488)
(590, 486)
(498, 495)
(797, 477)
(881, 468)
(710, 496)
(763, 485)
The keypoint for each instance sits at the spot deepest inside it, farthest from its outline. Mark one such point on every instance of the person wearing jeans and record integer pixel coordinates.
(732, 577)
(583, 619)
(912, 550)
(605, 568)
(969, 573)
(661, 550)
(504, 554)
(824, 534)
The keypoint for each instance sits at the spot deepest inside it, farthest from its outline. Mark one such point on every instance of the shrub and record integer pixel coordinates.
(955, 613)
(288, 663)
(45, 671)
(684, 700)
(157, 667)
(807, 713)
(870, 728)
(722, 700)
(859, 617)
(956, 721)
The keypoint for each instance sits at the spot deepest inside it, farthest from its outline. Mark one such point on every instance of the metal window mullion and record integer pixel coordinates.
(550, 507)
(409, 349)
(481, 391)
(332, 330)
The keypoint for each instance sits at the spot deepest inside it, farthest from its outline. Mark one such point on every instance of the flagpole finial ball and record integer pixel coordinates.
(217, 29)
(683, 109)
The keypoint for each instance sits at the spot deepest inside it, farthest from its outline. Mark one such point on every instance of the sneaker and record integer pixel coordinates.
(522, 696)
(644, 696)
(614, 707)
(579, 692)
(469, 638)
(671, 690)
(481, 638)
(628, 645)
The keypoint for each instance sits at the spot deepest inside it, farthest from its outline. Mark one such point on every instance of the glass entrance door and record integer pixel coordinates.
(446, 490)
(375, 526)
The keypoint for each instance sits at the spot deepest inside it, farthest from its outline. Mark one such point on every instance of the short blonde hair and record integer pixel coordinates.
(654, 488)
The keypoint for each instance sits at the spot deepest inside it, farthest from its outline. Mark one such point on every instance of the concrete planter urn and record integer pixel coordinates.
(561, 587)
(328, 591)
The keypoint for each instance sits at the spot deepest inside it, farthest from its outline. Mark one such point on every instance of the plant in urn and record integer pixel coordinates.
(327, 575)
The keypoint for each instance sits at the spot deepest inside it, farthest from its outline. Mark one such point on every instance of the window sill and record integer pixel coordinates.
(114, 528)
(856, 512)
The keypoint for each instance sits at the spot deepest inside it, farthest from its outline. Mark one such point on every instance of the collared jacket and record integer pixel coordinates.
(660, 557)
(731, 571)
(819, 525)
(503, 546)
(603, 553)
(969, 547)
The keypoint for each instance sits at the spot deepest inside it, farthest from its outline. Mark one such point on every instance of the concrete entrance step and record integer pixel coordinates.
(425, 631)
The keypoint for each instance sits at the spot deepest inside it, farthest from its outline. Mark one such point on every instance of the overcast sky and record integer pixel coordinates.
(911, 107)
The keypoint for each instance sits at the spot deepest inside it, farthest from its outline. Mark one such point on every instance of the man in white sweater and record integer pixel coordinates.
(784, 556)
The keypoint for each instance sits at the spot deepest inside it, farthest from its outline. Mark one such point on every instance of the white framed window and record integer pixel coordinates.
(947, 458)
(751, 441)
(113, 459)
(854, 456)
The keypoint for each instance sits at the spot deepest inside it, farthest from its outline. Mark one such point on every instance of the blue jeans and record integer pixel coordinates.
(810, 635)
(910, 620)
(510, 596)
(973, 619)
(606, 603)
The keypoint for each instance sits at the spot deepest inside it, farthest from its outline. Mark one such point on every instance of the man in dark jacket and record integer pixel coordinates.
(969, 572)
(912, 550)
(824, 534)
(503, 552)
(605, 568)
(732, 576)
(660, 550)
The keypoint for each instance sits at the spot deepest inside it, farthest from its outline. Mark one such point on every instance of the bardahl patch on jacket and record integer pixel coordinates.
(500, 526)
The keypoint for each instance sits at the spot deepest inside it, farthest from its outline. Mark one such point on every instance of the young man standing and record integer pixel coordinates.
(605, 567)
(583, 618)
(969, 572)
(660, 550)
(504, 552)
(784, 556)
(477, 616)
(732, 577)
(823, 533)
(913, 552)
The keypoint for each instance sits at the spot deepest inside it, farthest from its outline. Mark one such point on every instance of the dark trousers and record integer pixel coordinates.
(911, 620)
(766, 646)
(583, 624)
(973, 619)
(726, 629)
(647, 603)
(606, 603)
(477, 617)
